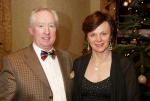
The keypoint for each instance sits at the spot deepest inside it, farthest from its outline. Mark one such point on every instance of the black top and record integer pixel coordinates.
(99, 91)
(124, 85)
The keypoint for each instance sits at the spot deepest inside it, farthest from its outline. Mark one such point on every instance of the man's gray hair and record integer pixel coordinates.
(33, 13)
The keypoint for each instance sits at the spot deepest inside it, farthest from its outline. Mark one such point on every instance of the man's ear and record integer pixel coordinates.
(30, 29)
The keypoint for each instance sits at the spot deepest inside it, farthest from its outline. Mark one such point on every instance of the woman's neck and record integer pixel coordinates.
(101, 57)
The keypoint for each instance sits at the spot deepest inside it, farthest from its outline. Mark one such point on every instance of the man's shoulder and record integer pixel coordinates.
(63, 53)
(17, 53)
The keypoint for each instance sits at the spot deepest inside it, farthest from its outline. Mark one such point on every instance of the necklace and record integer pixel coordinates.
(96, 67)
(98, 64)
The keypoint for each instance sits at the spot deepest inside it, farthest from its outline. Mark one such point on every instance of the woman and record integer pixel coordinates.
(103, 75)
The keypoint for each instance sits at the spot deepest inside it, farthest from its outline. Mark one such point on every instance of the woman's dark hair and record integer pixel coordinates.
(92, 21)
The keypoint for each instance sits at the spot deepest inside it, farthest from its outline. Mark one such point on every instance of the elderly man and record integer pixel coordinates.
(38, 72)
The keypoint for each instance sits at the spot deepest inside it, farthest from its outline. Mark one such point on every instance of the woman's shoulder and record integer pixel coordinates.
(120, 57)
(83, 57)
(124, 61)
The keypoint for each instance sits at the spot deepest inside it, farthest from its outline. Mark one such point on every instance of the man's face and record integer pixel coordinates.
(43, 30)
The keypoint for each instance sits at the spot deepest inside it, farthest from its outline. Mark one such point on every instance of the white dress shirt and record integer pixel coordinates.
(53, 73)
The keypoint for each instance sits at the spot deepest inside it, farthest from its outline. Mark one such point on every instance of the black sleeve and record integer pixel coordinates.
(75, 84)
(131, 82)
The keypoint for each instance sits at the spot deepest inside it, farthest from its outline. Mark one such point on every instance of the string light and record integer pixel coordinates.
(129, 8)
(136, 10)
(125, 3)
(129, 1)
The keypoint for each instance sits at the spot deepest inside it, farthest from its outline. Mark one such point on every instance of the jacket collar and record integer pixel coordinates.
(34, 63)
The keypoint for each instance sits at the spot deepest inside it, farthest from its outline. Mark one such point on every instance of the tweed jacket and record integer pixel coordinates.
(122, 76)
(23, 79)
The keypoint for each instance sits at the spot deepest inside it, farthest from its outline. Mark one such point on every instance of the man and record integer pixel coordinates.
(33, 73)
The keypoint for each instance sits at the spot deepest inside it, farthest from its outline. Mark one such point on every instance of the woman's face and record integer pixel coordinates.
(100, 38)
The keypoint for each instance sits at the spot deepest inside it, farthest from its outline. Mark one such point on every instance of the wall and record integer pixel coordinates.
(95, 5)
(20, 18)
(70, 12)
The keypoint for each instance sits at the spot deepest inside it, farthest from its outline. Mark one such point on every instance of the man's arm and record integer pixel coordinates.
(7, 82)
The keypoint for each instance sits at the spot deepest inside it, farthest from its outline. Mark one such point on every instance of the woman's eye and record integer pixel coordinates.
(92, 34)
(103, 33)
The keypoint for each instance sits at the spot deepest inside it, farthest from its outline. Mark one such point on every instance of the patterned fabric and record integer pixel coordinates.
(44, 54)
(23, 79)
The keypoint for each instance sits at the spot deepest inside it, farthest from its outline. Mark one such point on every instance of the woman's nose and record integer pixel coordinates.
(99, 37)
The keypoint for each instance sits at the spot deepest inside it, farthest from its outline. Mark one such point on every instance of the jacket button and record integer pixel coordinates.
(50, 97)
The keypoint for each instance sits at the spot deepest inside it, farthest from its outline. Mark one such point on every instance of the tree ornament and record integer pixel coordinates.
(142, 79)
(148, 53)
(133, 41)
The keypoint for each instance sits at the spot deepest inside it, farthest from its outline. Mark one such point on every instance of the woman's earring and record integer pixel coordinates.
(110, 46)
(88, 47)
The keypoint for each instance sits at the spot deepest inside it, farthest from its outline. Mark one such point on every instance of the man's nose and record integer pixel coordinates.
(47, 30)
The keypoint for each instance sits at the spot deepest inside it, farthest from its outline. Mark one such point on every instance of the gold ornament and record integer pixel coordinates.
(142, 79)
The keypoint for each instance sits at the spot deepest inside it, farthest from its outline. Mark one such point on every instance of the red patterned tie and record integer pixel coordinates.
(44, 54)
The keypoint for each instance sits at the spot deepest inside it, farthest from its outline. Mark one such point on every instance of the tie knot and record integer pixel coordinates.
(44, 54)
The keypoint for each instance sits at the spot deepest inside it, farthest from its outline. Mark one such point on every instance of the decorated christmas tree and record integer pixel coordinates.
(134, 39)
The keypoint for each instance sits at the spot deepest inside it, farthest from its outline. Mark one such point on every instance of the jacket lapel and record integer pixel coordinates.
(33, 62)
(85, 64)
(61, 61)
(65, 66)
